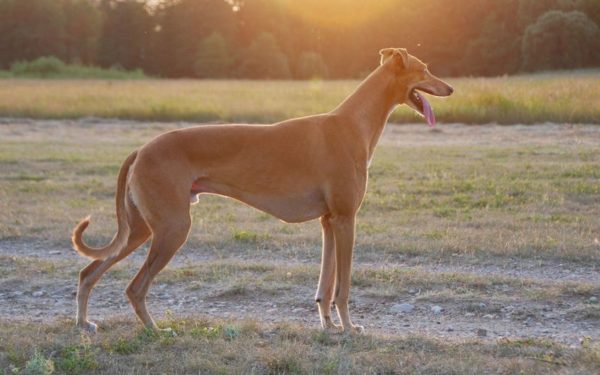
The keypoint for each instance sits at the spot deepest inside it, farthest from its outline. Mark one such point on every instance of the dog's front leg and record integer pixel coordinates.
(343, 232)
(327, 277)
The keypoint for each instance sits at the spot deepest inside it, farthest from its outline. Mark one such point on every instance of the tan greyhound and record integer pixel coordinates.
(296, 170)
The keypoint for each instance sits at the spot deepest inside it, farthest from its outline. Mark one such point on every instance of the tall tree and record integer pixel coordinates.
(530, 10)
(30, 29)
(183, 24)
(264, 59)
(561, 40)
(81, 30)
(497, 48)
(126, 34)
(591, 8)
(213, 59)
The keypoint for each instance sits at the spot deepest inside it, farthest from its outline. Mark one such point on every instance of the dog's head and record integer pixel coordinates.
(412, 78)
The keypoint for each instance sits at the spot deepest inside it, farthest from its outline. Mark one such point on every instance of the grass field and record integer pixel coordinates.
(533, 200)
(498, 225)
(561, 98)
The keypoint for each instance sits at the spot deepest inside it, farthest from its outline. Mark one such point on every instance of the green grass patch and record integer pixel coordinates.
(52, 67)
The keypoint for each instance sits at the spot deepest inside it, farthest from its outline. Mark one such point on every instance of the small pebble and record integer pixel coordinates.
(38, 293)
(436, 309)
(481, 332)
(593, 300)
(402, 307)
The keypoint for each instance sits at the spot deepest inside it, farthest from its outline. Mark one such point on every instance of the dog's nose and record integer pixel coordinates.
(450, 90)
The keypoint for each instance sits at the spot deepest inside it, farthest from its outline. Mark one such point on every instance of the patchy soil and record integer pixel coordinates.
(50, 295)
(502, 310)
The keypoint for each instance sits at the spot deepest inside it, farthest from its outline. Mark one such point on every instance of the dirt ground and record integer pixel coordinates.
(50, 295)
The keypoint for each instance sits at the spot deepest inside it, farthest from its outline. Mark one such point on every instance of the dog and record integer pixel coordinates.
(296, 170)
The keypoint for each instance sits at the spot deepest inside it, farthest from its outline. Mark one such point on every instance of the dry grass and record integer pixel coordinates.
(223, 347)
(567, 97)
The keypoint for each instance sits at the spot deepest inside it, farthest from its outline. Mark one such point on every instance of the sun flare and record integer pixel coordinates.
(339, 13)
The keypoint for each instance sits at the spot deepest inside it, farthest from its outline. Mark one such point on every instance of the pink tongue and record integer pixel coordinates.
(428, 111)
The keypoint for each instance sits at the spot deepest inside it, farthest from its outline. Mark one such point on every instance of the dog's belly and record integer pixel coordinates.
(291, 207)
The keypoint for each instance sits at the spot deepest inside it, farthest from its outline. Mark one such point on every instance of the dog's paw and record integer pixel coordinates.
(354, 330)
(88, 326)
(332, 328)
(357, 329)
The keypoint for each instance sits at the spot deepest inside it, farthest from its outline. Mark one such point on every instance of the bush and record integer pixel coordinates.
(41, 67)
(38, 365)
(52, 67)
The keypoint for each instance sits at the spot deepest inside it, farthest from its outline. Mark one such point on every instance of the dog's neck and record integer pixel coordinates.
(370, 105)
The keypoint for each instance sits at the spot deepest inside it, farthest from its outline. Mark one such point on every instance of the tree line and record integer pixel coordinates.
(280, 39)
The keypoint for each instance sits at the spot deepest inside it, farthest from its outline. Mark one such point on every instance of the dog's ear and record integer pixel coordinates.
(385, 54)
(399, 53)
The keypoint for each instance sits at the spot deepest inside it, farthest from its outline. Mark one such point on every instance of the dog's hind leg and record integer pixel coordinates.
(327, 276)
(91, 274)
(168, 236)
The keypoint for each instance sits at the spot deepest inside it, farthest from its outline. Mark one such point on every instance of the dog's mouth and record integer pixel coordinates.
(420, 103)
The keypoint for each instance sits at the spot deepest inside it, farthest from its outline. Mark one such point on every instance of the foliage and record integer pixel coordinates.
(77, 358)
(182, 24)
(38, 365)
(124, 40)
(213, 59)
(51, 67)
(561, 40)
(42, 67)
(496, 48)
(264, 59)
(175, 38)
(29, 29)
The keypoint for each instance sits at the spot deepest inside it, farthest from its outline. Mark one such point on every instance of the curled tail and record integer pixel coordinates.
(120, 237)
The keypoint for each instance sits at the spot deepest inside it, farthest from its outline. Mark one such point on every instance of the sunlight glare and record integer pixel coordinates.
(339, 13)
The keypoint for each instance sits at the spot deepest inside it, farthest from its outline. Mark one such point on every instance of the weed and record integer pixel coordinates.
(245, 236)
(231, 332)
(133, 344)
(205, 331)
(286, 364)
(38, 365)
(77, 358)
